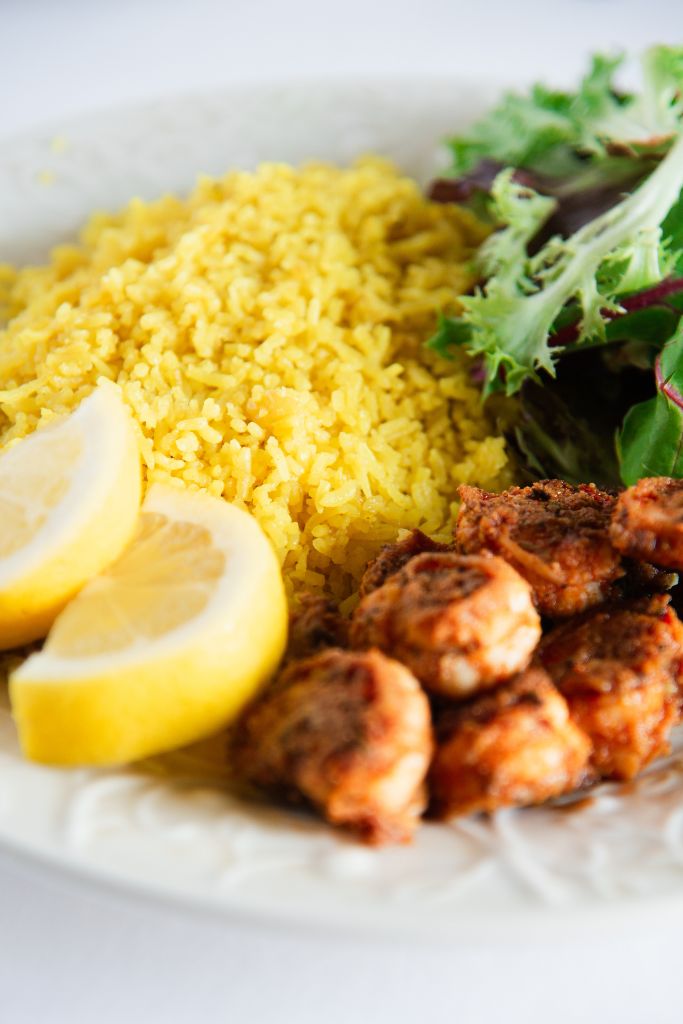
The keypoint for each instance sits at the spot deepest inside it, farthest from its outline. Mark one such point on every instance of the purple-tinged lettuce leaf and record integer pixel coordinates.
(512, 319)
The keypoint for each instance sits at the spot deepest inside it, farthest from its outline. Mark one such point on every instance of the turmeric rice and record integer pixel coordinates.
(268, 334)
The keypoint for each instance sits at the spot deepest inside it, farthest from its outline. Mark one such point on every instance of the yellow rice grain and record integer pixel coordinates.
(268, 333)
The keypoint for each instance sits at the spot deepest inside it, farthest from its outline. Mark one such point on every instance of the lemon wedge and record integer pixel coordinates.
(165, 646)
(69, 502)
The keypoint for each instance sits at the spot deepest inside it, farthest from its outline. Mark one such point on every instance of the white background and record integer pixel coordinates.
(74, 954)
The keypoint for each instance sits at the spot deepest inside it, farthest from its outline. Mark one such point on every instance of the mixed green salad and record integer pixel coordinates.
(580, 311)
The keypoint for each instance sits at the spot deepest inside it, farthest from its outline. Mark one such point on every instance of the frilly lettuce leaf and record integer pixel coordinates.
(509, 322)
(546, 129)
(523, 212)
(647, 119)
(587, 264)
(522, 131)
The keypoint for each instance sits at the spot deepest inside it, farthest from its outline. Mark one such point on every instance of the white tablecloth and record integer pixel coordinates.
(74, 954)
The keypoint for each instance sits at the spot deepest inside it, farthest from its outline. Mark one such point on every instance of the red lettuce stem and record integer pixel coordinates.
(665, 386)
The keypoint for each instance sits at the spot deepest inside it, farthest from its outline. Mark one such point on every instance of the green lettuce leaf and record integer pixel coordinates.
(511, 319)
(647, 119)
(522, 131)
(546, 129)
(651, 440)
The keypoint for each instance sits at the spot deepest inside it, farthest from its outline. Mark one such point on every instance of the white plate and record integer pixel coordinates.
(188, 840)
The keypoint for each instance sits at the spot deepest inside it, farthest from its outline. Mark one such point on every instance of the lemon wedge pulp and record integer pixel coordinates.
(69, 502)
(162, 648)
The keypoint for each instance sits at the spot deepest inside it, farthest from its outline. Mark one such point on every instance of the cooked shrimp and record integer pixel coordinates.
(393, 557)
(554, 534)
(511, 747)
(314, 625)
(460, 623)
(346, 732)
(648, 522)
(619, 669)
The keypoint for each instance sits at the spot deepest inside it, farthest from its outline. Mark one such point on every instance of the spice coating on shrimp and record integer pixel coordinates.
(619, 669)
(393, 557)
(554, 534)
(460, 623)
(315, 624)
(511, 747)
(347, 732)
(648, 522)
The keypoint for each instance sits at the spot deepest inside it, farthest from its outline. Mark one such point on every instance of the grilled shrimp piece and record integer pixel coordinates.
(648, 522)
(619, 669)
(346, 732)
(315, 624)
(554, 534)
(393, 557)
(511, 747)
(460, 623)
